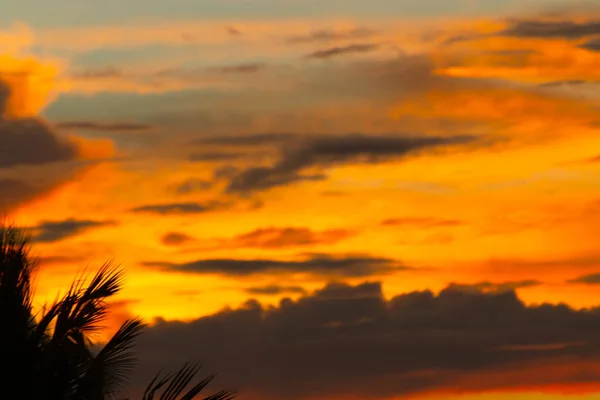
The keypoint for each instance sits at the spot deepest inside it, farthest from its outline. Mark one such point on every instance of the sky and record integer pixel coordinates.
(321, 199)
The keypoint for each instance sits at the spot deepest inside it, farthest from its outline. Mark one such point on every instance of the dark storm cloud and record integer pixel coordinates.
(351, 341)
(52, 231)
(273, 290)
(330, 150)
(328, 35)
(591, 279)
(552, 29)
(356, 48)
(176, 208)
(103, 126)
(318, 265)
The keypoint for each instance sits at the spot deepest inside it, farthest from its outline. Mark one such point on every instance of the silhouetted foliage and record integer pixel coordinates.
(50, 355)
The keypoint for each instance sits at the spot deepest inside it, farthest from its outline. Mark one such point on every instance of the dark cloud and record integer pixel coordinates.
(30, 141)
(318, 265)
(274, 290)
(193, 185)
(349, 341)
(233, 31)
(592, 45)
(20, 185)
(591, 279)
(462, 37)
(552, 29)
(52, 231)
(215, 156)
(494, 287)
(99, 73)
(328, 35)
(176, 208)
(331, 150)
(240, 68)
(52, 260)
(175, 238)
(259, 139)
(14, 191)
(421, 222)
(103, 126)
(274, 237)
(570, 82)
(356, 48)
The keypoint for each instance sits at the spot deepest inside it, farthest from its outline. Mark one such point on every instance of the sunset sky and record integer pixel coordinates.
(372, 199)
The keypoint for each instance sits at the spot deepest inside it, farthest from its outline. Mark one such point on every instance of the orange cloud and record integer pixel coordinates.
(31, 84)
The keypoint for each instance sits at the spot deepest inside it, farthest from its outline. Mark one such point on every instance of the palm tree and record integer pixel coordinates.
(50, 356)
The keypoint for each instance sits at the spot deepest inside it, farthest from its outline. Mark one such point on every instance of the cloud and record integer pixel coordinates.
(274, 237)
(421, 222)
(15, 191)
(98, 73)
(356, 48)
(20, 185)
(332, 150)
(559, 29)
(175, 239)
(247, 68)
(215, 156)
(592, 45)
(274, 290)
(53, 231)
(349, 341)
(60, 260)
(330, 35)
(176, 208)
(494, 287)
(568, 82)
(32, 142)
(590, 279)
(34, 158)
(257, 139)
(103, 126)
(318, 265)
(193, 185)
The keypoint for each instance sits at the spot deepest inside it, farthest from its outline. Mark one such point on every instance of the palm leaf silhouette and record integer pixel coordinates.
(51, 354)
(177, 383)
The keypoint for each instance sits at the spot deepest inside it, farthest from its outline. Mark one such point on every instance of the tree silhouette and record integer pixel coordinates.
(50, 356)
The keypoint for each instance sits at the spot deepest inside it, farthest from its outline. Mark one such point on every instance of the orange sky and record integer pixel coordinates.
(140, 156)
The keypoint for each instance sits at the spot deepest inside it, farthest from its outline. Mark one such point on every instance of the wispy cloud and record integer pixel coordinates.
(356, 48)
(53, 231)
(319, 265)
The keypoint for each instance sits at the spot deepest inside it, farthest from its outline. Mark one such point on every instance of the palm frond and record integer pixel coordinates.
(83, 308)
(177, 383)
(112, 366)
